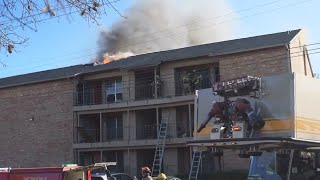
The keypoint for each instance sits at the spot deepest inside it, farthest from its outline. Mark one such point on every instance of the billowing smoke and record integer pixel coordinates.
(155, 25)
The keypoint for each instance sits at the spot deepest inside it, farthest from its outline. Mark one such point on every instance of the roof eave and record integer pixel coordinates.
(36, 82)
(248, 50)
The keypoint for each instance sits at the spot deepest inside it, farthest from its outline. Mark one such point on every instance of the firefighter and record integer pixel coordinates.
(145, 171)
(162, 176)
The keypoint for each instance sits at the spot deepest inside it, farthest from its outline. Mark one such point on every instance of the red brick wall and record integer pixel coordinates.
(254, 63)
(47, 139)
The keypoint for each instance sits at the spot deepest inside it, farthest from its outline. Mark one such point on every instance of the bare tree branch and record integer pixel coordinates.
(20, 14)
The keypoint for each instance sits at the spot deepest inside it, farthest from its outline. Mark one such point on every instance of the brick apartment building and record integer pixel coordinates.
(93, 113)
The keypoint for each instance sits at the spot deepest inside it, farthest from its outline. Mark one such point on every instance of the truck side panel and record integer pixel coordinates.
(307, 98)
(4, 175)
(203, 103)
(276, 107)
(36, 174)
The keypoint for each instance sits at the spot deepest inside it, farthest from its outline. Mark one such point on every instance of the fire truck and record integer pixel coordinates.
(66, 172)
(273, 121)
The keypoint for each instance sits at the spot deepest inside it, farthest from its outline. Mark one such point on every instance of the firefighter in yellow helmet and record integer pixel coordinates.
(162, 176)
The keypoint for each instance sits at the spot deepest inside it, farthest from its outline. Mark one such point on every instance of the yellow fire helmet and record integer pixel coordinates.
(162, 176)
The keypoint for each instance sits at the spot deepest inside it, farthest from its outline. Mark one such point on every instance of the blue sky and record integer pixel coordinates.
(60, 43)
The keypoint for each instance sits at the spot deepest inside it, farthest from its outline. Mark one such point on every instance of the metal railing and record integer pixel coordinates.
(112, 134)
(148, 91)
(189, 87)
(146, 132)
(88, 96)
(98, 96)
(95, 96)
(87, 135)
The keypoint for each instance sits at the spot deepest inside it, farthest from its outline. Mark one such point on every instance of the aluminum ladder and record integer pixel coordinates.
(196, 161)
(162, 136)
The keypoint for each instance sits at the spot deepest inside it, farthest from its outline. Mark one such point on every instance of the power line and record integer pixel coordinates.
(81, 57)
(129, 45)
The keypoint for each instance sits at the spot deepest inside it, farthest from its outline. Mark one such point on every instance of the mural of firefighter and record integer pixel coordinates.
(235, 109)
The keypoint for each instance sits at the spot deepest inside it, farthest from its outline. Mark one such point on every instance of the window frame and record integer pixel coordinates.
(114, 87)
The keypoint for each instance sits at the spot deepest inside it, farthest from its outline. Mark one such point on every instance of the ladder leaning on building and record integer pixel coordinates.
(196, 161)
(161, 142)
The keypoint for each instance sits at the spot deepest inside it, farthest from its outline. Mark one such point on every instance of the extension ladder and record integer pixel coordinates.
(162, 136)
(196, 161)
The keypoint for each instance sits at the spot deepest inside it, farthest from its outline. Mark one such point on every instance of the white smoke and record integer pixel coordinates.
(155, 25)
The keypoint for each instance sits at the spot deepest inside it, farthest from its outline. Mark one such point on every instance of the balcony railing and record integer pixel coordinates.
(91, 96)
(88, 97)
(88, 135)
(112, 134)
(98, 96)
(146, 132)
(189, 87)
(149, 91)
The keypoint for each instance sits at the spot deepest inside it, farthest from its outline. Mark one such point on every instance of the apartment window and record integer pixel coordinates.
(87, 158)
(112, 125)
(146, 124)
(144, 84)
(88, 128)
(114, 156)
(114, 90)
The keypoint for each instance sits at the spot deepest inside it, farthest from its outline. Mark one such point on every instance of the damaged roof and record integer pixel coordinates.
(155, 58)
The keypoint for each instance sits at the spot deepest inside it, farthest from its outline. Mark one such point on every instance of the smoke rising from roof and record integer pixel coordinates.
(156, 25)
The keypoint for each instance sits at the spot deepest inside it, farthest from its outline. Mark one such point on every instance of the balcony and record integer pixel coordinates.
(112, 134)
(87, 135)
(143, 89)
(146, 132)
(188, 86)
(149, 91)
